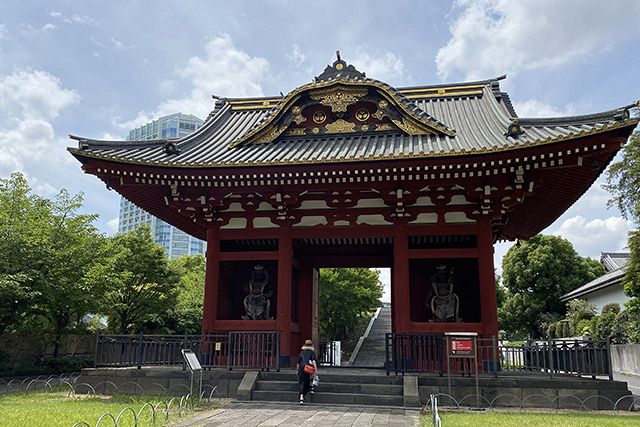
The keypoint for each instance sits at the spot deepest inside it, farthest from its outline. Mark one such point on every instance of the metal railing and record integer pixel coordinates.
(414, 353)
(425, 353)
(329, 353)
(229, 350)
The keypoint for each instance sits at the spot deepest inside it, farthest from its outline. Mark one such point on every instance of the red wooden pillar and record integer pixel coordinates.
(400, 302)
(285, 255)
(488, 304)
(212, 279)
(305, 302)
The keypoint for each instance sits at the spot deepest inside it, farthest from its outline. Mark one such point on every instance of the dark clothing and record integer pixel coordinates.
(304, 380)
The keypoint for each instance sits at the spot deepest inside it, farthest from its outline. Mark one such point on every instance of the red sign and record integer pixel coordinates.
(461, 346)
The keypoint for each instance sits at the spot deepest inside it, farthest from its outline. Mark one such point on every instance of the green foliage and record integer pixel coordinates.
(501, 292)
(138, 286)
(190, 293)
(46, 247)
(579, 310)
(16, 296)
(623, 180)
(537, 273)
(346, 294)
(559, 330)
(612, 307)
(551, 330)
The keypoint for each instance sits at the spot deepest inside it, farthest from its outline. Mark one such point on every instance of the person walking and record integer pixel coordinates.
(306, 368)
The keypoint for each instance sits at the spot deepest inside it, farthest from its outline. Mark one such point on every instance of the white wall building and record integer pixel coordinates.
(607, 288)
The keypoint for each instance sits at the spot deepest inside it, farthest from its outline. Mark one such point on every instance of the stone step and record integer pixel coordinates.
(327, 387)
(337, 377)
(329, 398)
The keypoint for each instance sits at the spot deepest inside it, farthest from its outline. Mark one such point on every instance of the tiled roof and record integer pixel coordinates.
(614, 260)
(608, 279)
(480, 117)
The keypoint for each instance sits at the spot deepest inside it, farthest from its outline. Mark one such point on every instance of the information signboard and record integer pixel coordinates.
(192, 360)
(461, 346)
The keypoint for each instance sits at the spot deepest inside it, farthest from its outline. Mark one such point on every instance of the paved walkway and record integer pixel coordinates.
(250, 414)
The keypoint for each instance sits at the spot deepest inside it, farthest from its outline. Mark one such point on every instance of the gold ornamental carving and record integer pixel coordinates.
(383, 104)
(295, 131)
(319, 117)
(383, 126)
(299, 119)
(409, 127)
(379, 114)
(364, 128)
(339, 98)
(270, 135)
(340, 126)
(362, 114)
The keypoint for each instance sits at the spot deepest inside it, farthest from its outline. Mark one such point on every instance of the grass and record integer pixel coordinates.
(533, 419)
(57, 409)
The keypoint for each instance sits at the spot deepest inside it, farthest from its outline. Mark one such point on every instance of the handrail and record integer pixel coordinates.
(364, 336)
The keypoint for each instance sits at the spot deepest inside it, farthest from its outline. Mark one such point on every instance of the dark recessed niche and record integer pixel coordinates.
(234, 286)
(426, 275)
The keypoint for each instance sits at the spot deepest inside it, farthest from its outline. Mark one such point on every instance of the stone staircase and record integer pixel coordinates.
(350, 388)
(372, 351)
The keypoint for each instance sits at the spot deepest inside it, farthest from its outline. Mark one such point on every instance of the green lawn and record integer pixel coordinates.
(56, 409)
(507, 419)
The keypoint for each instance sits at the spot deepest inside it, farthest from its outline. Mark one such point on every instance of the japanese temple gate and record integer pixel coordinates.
(348, 171)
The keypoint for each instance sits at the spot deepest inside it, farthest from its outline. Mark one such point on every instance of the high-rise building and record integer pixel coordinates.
(176, 242)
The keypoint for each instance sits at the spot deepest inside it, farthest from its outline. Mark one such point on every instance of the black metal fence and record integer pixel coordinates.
(259, 350)
(414, 353)
(426, 353)
(328, 353)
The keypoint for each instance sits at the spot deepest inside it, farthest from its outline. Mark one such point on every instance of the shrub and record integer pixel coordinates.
(559, 330)
(551, 330)
(60, 365)
(612, 307)
(583, 327)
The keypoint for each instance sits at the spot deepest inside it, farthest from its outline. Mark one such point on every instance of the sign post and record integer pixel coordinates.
(463, 345)
(194, 366)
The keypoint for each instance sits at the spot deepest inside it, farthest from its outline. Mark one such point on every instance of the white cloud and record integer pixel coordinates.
(44, 29)
(535, 108)
(384, 66)
(33, 94)
(296, 57)
(493, 37)
(113, 224)
(73, 19)
(117, 44)
(589, 238)
(4, 33)
(29, 100)
(223, 70)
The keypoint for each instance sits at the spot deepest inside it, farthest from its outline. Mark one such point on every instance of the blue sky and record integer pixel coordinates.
(98, 69)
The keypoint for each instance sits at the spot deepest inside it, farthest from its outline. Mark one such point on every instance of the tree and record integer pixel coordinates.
(138, 286)
(16, 296)
(537, 273)
(71, 246)
(346, 294)
(46, 247)
(623, 181)
(190, 293)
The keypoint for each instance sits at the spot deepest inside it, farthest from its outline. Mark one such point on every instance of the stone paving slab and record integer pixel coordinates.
(254, 414)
